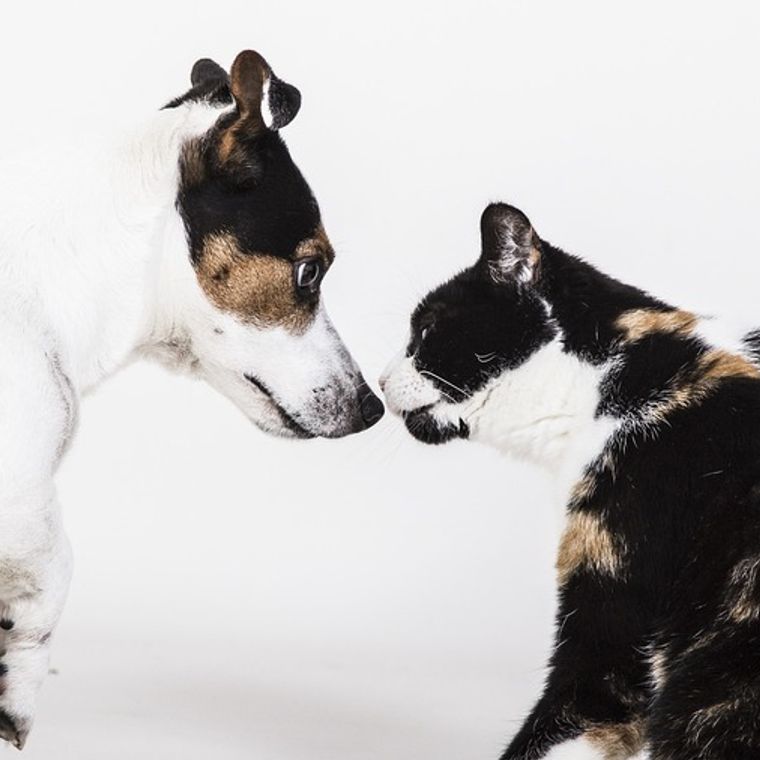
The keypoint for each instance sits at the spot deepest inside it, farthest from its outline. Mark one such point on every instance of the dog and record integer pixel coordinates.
(194, 240)
(650, 417)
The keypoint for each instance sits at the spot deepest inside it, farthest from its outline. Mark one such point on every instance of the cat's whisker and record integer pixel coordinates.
(443, 380)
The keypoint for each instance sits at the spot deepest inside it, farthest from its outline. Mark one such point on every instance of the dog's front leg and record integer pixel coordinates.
(35, 569)
(595, 702)
(37, 411)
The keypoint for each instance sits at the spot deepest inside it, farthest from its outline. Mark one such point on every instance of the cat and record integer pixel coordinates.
(651, 417)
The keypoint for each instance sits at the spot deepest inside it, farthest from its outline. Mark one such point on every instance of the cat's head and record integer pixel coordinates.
(484, 359)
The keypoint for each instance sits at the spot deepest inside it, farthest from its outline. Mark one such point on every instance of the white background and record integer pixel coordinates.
(237, 596)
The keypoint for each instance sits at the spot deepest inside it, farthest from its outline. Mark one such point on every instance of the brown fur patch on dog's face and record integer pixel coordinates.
(619, 741)
(257, 287)
(588, 544)
(317, 245)
(639, 323)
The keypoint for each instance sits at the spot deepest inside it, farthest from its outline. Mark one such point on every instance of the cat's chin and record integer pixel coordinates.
(426, 428)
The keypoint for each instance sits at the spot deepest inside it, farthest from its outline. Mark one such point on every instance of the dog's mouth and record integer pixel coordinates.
(288, 421)
(422, 424)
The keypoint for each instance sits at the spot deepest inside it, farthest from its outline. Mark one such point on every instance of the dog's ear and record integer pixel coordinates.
(263, 101)
(511, 249)
(205, 70)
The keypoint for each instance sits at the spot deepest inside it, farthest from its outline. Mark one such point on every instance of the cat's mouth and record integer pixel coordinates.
(424, 426)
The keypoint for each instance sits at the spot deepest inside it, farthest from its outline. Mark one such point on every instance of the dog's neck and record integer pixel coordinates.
(152, 158)
(149, 254)
(88, 271)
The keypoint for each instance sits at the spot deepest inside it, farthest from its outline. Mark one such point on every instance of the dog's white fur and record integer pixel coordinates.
(94, 270)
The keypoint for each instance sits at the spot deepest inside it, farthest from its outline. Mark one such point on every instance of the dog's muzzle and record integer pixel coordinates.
(335, 413)
(372, 409)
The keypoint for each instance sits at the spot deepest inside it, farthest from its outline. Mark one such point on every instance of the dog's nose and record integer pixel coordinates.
(371, 407)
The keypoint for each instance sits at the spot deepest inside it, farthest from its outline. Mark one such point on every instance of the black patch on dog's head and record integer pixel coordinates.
(259, 196)
(243, 200)
(239, 179)
(490, 317)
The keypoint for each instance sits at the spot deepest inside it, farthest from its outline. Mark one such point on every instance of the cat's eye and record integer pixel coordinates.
(424, 329)
(308, 273)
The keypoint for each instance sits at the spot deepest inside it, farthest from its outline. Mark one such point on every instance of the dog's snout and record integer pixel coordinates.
(372, 408)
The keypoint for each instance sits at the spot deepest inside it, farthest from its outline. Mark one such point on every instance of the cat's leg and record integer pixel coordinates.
(709, 703)
(595, 700)
(36, 415)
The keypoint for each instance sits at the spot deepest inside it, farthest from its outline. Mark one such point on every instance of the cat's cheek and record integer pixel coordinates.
(405, 389)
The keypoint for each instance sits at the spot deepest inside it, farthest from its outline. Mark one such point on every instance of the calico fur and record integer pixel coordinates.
(653, 424)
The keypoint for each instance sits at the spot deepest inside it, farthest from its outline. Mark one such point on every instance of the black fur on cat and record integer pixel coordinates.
(658, 626)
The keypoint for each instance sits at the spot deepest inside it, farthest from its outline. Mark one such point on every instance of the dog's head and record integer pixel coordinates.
(248, 308)
(483, 360)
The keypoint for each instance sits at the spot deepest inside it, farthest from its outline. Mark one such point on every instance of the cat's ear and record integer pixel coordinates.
(511, 249)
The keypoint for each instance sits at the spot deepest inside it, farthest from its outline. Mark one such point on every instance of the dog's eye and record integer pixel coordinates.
(308, 274)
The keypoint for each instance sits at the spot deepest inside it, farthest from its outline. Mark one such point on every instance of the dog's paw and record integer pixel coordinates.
(18, 686)
(13, 730)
